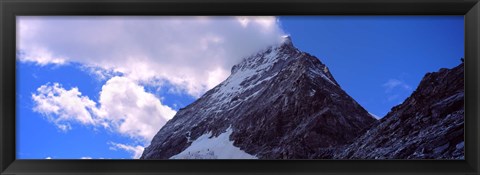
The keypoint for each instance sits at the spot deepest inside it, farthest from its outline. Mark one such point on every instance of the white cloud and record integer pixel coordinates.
(124, 107)
(396, 90)
(193, 53)
(131, 110)
(136, 151)
(48, 158)
(61, 106)
(393, 83)
(393, 97)
(86, 157)
(99, 73)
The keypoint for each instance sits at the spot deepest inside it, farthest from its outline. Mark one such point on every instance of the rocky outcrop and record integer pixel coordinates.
(427, 125)
(280, 103)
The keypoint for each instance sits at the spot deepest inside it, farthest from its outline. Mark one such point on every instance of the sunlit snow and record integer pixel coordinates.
(208, 147)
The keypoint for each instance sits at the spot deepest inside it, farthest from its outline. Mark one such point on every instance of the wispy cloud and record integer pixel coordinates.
(86, 157)
(394, 88)
(136, 151)
(192, 53)
(394, 83)
(392, 97)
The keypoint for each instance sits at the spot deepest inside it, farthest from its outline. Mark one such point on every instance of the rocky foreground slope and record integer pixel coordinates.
(280, 103)
(427, 125)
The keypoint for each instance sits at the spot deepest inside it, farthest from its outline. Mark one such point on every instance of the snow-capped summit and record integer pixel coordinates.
(280, 103)
(287, 40)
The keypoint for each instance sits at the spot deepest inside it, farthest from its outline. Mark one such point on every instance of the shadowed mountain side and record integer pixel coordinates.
(280, 103)
(427, 125)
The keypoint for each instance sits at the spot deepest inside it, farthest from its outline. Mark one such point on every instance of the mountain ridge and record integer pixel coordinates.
(282, 103)
(271, 100)
(427, 125)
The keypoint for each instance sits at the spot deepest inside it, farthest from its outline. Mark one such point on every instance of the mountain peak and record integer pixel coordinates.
(273, 104)
(266, 58)
(287, 40)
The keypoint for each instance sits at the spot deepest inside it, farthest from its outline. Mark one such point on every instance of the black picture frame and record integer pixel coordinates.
(11, 8)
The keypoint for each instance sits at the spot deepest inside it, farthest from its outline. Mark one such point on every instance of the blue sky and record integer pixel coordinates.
(90, 73)
(379, 61)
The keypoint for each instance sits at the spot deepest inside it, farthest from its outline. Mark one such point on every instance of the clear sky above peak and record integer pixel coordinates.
(379, 60)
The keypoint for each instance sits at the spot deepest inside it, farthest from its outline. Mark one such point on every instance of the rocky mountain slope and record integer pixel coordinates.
(427, 125)
(280, 103)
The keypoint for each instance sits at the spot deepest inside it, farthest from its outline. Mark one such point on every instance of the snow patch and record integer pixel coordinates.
(312, 92)
(321, 74)
(246, 73)
(208, 147)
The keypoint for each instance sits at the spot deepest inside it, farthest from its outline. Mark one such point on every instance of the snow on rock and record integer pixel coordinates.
(282, 103)
(208, 147)
(279, 103)
(316, 72)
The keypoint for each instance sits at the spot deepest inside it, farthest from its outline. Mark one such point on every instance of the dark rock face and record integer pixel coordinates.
(427, 125)
(284, 104)
(280, 104)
